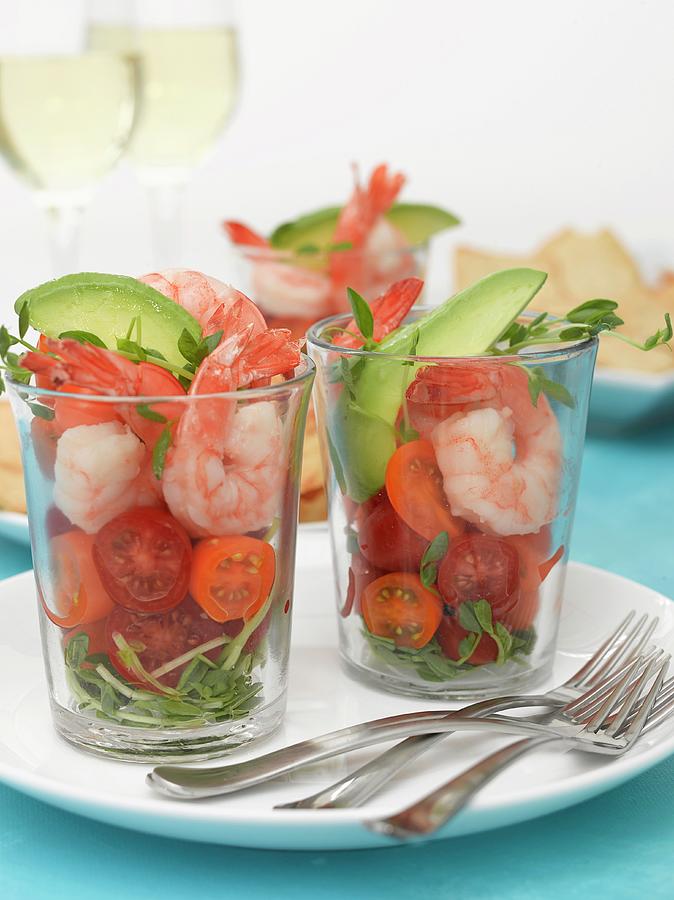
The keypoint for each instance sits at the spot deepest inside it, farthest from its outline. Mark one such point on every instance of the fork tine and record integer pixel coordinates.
(631, 699)
(639, 721)
(614, 696)
(592, 699)
(597, 658)
(632, 646)
(662, 709)
(665, 696)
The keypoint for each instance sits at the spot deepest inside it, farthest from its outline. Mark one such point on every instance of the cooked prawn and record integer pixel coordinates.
(501, 462)
(226, 470)
(373, 259)
(101, 471)
(205, 298)
(67, 362)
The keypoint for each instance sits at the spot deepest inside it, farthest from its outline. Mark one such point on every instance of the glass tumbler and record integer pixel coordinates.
(451, 493)
(163, 533)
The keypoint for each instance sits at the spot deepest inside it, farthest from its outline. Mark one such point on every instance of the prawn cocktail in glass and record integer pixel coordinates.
(300, 271)
(161, 445)
(453, 439)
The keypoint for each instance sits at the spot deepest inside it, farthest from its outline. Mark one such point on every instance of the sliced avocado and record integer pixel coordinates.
(105, 305)
(363, 424)
(417, 221)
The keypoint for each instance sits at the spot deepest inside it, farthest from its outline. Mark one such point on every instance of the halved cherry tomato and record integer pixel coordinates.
(387, 542)
(449, 636)
(159, 638)
(481, 567)
(414, 487)
(439, 391)
(361, 573)
(388, 311)
(75, 594)
(232, 576)
(143, 557)
(397, 606)
(534, 564)
(95, 631)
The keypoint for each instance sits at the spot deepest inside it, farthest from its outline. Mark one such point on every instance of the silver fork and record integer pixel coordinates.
(356, 788)
(188, 784)
(610, 725)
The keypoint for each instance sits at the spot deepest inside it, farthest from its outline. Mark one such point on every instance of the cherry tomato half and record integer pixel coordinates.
(361, 573)
(232, 576)
(159, 638)
(414, 487)
(388, 311)
(143, 557)
(481, 567)
(76, 593)
(387, 542)
(449, 636)
(397, 606)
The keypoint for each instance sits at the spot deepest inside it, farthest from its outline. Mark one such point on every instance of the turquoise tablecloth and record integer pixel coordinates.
(619, 845)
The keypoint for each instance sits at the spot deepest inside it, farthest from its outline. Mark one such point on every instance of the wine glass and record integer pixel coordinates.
(189, 62)
(66, 115)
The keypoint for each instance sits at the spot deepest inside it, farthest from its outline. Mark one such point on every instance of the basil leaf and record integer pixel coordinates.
(188, 346)
(467, 618)
(482, 611)
(83, 337)
(42, 412)
(77, 649)
(132, 347)
(146, 411)
(436, 550)
(362, 313)
(6, 341)
(160, 450)
(24, 320)
(157, 355)
(308, 250)
(590, 311)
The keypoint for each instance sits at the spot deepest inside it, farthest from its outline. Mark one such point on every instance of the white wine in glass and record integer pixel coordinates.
(189, 64)
(64, 122)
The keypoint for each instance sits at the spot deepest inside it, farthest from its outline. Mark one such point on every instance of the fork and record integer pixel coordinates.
(188, 784)
(610, 725)
(356, 788)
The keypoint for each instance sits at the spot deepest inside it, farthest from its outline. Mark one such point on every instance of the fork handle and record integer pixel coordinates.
(427, 815)
(356, 788)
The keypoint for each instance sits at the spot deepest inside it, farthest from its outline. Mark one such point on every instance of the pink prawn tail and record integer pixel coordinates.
(388, 311)
(232, 319)
(271, 353)
(84, 365)
(383, 189)
(238, 233)
(161, 284)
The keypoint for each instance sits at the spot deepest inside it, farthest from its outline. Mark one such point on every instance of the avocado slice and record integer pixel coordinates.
(417, 221)
(105, 305)
(362, 426)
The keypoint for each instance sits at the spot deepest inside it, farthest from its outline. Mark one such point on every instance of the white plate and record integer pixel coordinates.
(14, 526)
(626, 399)
(34, 760)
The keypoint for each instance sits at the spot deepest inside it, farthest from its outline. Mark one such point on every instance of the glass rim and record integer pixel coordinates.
(563, 350)
(268, 392)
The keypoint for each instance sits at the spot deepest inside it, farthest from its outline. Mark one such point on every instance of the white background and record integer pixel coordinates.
(521, 116)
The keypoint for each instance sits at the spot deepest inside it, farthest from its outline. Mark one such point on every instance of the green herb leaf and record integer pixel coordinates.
(146, 411)
(436, 550)
(468, 619)
(77, 649)
(187, 345)
(6, 341)
(42, 412)
(362, 314)
(83, 337)
(160, 450)
(132, 347)
(24, 320)
(308, 250)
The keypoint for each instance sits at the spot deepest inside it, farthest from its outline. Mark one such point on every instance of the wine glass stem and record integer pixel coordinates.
(166, 213)
(65, 228)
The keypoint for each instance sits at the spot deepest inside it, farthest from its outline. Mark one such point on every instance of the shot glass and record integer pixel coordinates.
(451, 492)
(163, 533)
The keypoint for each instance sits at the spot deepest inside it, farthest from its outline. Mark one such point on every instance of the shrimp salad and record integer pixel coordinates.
(454, 438)
(159, 439)
(300, 272)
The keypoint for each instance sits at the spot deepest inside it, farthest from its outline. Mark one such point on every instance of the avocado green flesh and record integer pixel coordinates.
(417, 221)
(105, 305)
(466, 325)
